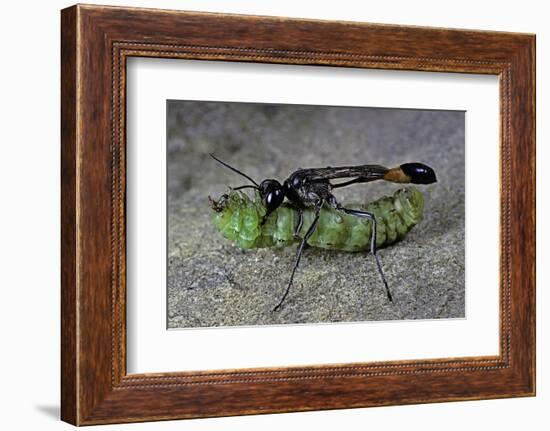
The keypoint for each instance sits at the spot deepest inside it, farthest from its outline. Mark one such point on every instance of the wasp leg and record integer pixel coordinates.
(298, 227)
(299, 252)
(300, 223)
(371, 217)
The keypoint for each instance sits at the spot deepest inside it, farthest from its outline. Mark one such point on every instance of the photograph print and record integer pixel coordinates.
(307, 214)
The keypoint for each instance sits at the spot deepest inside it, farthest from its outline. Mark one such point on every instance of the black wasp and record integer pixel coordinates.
(312, 188)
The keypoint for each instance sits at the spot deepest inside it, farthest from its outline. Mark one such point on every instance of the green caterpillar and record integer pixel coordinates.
(239, 218)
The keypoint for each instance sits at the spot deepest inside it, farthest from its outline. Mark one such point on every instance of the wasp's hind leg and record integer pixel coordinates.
(370, 216)
(301, 247)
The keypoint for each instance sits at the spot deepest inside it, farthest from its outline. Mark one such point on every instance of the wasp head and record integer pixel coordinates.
(272, 194)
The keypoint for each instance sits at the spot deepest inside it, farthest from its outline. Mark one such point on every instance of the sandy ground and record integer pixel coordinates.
(213, 283)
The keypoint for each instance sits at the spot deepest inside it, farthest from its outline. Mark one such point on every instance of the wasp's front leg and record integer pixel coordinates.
(299, 251)
(299, 224)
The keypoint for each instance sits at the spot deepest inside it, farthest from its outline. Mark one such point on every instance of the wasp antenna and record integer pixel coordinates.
(245, 187)
(234, 170)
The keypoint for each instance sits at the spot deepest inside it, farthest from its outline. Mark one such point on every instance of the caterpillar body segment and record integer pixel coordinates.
(239, 218)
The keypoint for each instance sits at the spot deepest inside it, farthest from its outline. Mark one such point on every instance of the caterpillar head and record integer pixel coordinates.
(220, 204)
(238, 217)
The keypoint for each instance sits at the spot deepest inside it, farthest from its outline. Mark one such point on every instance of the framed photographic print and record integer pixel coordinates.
(265, 215)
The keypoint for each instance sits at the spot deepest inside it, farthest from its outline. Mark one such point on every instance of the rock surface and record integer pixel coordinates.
(213, 283)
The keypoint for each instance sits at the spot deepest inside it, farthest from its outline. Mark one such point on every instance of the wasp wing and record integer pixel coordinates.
(361, 174)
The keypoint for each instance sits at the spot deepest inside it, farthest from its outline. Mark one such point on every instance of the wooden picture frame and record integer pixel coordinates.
(95, 43)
